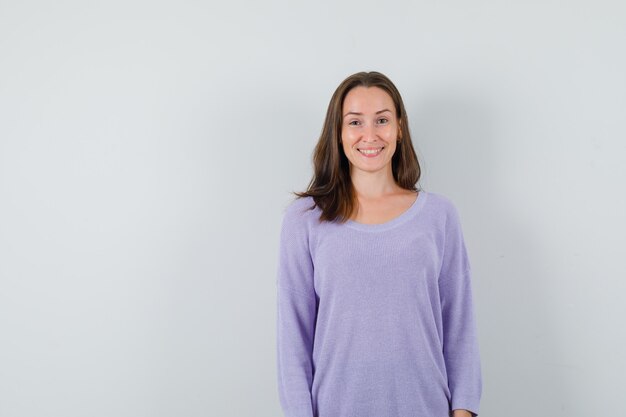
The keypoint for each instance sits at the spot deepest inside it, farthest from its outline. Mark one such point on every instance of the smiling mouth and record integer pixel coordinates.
(371, 152)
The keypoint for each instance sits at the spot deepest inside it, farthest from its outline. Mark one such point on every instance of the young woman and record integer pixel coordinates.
(374, 310)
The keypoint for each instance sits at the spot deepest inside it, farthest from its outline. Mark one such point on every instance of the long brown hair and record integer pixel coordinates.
(331, 186)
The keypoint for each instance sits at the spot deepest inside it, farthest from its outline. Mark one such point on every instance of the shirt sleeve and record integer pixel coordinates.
(460, 342)
(296, 316)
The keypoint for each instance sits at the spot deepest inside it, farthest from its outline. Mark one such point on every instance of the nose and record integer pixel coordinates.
(369, 133)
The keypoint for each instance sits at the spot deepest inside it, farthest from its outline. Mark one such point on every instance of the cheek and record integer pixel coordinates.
(347, 137)
(391, 131)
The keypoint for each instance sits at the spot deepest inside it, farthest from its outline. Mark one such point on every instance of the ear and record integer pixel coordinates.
(399, 129)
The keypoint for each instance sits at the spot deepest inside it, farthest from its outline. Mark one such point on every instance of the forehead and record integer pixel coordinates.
(367, 99)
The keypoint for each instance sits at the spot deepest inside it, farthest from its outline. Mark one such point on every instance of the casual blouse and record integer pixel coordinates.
(376, 320)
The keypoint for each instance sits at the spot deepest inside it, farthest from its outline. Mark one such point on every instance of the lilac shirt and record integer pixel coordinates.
(376, 320)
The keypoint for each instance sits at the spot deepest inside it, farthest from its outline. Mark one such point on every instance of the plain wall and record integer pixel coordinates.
(147, 150)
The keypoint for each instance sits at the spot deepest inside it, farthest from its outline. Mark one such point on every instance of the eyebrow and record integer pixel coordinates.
(360, 114)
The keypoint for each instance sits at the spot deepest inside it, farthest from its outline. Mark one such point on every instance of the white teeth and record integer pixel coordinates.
(370, 151)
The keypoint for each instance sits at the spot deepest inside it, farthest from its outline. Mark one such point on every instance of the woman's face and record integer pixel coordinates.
(369, 128)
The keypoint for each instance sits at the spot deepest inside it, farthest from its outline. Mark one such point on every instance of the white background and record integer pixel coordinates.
(146, 154)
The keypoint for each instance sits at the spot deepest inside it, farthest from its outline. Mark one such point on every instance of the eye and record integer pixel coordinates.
(354, 123)
(383, 120)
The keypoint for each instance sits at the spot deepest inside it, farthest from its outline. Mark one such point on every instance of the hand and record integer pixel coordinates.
(462, 413)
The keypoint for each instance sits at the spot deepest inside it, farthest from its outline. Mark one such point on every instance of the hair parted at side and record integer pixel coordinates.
(331, 185)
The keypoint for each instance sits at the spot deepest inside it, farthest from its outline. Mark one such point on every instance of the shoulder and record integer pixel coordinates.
(300, 212)
(441, 203)
(299, 207)
(443, 209)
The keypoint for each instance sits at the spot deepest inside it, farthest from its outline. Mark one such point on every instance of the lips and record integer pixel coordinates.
(370, 152)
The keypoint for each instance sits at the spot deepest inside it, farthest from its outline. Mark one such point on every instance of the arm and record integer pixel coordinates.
(460, 343)
(296, 316)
